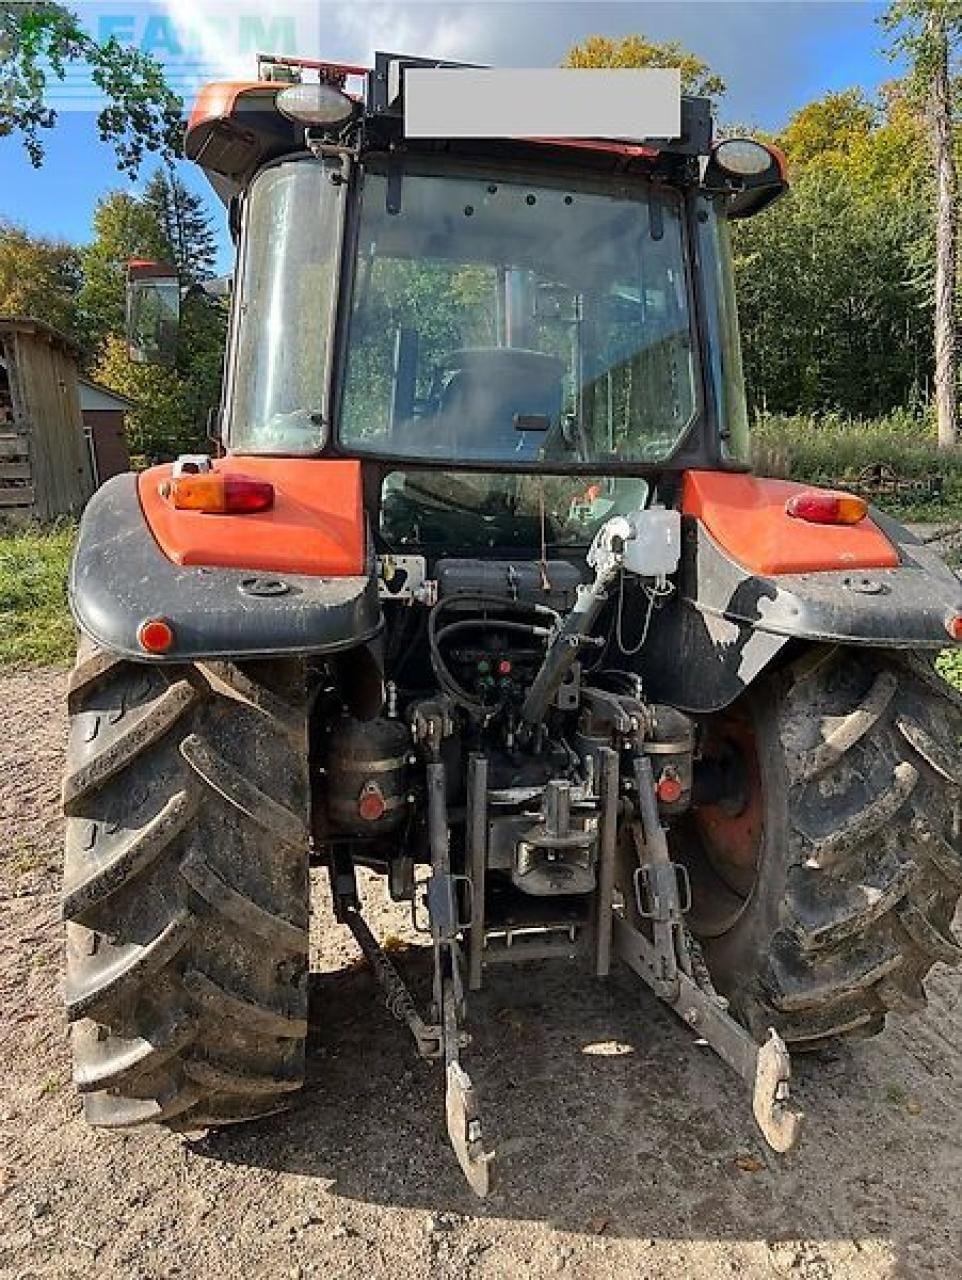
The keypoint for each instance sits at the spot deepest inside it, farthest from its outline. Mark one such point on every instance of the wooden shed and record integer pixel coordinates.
(45, 468)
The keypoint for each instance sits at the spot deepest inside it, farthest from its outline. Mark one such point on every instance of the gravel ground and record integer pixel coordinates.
(626, 1150)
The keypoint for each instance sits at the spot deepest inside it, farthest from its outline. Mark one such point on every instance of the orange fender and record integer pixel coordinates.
(315, 527)
(746, 516)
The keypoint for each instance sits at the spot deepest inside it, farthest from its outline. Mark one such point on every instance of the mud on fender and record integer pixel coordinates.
(120, 577)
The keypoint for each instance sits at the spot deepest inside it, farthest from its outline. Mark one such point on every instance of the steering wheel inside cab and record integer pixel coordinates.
(502, 403)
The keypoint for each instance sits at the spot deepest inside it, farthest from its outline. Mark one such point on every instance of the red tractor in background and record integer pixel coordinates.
(483, 595)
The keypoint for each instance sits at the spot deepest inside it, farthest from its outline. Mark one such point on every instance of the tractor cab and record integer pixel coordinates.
(508, 309)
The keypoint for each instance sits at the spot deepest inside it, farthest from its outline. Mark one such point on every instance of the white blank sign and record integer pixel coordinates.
(448, 102)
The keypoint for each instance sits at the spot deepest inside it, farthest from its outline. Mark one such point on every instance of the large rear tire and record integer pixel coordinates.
(186, 889)
(823, 900)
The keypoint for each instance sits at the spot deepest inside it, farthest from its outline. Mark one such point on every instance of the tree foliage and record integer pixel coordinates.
(124, 228)
(42, 40)
(916, 29)
(637, 51)
(39, 278)
(834, 283)
(168, 224)
(184, 225)
(830, 128)
(171, 405)
(929, 32)
(831, 316)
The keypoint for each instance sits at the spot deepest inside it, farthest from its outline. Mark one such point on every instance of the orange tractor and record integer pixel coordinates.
(483, 595)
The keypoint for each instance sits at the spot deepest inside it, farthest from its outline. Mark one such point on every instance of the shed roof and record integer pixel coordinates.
(88, 385)
(32, 327)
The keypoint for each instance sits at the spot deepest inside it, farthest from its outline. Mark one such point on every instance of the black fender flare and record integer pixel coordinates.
(725, 625)
(120, 578)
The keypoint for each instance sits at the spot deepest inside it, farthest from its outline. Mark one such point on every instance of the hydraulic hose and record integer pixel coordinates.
(436, 635)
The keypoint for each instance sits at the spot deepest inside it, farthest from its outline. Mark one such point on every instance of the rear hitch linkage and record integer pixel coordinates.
(443, 1037)
(664, 955)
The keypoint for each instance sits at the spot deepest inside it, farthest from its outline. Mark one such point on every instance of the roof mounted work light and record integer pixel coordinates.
(742, 157)
(317, 103)
(750, 174)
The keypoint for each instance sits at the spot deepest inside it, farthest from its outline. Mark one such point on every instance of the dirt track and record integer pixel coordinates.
(626, 1150)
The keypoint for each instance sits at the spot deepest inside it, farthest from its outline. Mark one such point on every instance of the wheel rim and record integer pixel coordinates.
(721, 844)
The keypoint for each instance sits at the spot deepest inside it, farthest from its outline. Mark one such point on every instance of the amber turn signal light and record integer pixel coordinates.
(155, 636)
(220, 492)
(827, 508)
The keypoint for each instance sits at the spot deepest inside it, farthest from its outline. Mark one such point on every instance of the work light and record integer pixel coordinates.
(316, 103)
(742, 157)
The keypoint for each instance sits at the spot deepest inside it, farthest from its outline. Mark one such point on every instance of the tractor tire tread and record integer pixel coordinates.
(873, 858)
(186, 889)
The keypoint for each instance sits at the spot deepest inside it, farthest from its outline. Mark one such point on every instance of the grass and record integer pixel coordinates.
(24, 858)
(832, 449)
(949, 666)
(35, 624)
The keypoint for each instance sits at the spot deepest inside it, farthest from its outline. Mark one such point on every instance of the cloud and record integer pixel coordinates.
(437, 31)
(774, 54)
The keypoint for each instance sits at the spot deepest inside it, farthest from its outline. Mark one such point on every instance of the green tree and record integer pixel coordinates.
(831, 126)
(184, 223)
(834, 283)
(171, 405)
(832, 317)
(929, 32)
(637, 51)
(124, 228)
(41, 40)
(38, 277)
(169, 224)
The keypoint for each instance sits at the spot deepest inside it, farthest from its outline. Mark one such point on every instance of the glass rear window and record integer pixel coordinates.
(499, 319)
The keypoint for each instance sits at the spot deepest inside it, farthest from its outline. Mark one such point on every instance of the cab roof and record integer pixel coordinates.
(235, 127)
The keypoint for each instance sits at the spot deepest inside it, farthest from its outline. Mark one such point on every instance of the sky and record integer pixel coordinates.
(775, 55)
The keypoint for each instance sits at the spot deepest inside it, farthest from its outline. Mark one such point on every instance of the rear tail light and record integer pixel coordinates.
(220, 492)
(827, 508)
(953, 625)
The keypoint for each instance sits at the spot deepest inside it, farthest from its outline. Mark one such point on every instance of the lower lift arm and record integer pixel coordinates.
(668, 961)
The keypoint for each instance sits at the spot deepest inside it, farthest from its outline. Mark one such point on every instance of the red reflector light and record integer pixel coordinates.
(668, 789)
(371, 804)
(155, 636)
(953, 625)
(827, 508)
(218, 492)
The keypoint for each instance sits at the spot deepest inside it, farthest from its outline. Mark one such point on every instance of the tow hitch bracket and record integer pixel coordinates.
(461, 1108)
(460, 1104)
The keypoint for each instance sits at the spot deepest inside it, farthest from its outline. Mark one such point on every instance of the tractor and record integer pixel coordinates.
(477, 590)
